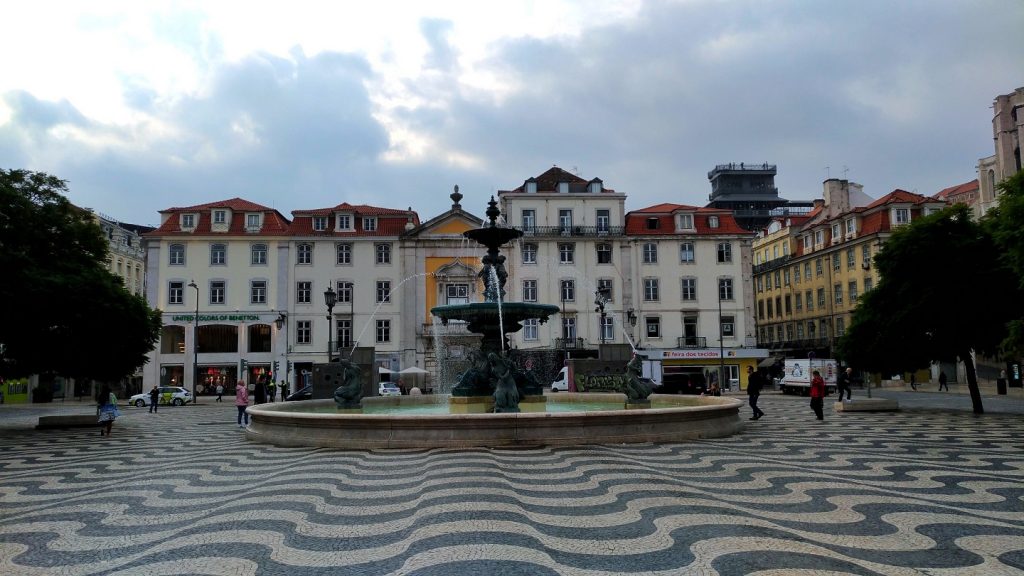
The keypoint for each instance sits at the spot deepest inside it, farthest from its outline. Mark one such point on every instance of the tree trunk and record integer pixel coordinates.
(972, 383)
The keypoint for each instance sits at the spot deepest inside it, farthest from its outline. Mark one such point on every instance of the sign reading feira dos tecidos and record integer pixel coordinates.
(216, 317)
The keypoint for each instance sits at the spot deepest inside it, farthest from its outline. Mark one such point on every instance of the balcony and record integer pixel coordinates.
(570, 343)
(692, 342)
(573, 231)
(771, 264)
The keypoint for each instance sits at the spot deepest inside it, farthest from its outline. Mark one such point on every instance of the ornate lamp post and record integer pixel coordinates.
(195, 345)
(330, 298)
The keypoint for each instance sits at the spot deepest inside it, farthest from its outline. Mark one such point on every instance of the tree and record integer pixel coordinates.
(1004, 223)
(63, 311)
(944, 293)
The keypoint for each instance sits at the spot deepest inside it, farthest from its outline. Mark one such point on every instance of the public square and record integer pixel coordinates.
(931, 489)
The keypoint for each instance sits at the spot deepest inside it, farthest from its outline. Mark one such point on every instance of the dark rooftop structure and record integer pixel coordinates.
(749, 191)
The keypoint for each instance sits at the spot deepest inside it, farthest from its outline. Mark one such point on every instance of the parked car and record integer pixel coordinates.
(389, 389)
(175, 395)
(305, 393)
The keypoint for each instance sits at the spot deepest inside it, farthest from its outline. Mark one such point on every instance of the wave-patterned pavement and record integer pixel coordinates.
(183, 492)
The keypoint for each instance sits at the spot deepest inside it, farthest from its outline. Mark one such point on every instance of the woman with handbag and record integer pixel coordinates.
(107, 403)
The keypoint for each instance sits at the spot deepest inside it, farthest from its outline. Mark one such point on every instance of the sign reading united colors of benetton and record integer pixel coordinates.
(215, 317)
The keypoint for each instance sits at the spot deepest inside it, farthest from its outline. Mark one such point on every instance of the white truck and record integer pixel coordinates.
(797, 376)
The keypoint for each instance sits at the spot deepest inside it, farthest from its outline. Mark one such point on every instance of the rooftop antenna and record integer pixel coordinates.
(845, 170)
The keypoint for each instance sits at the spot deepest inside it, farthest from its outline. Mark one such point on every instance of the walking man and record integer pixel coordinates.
(154, 399)
(844, 381)
(220, 392)
(755, 381)
(942, 381)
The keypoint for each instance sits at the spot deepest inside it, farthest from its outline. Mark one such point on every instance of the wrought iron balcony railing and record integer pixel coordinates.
(570, 343)
(692, 342)
(572, 231)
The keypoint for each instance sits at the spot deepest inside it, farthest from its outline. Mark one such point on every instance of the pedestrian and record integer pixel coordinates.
(755, 381)
(261, 390)
(242, 402)
(942, 381)
(107, 402)
(913, 381)
(220, 392)
(844, 381)
(154, 399)
(271, 390)
(817, 395)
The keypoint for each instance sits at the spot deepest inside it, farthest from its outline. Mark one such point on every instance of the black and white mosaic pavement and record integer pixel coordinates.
(923, 491)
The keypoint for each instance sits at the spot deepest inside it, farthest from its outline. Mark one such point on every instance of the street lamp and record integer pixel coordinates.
(330, 298)
(721, 339)
(195, 345)
(601, 297)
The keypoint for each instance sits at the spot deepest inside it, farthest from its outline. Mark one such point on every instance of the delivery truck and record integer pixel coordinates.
(797, 376)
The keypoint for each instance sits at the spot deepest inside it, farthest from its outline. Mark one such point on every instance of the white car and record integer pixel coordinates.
(175, 395)
(389, 389)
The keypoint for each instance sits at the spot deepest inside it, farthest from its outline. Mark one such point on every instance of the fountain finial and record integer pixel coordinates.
(455, 196)
(493, 212)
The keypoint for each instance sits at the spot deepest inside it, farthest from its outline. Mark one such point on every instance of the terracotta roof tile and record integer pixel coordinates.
(636, 221)
(548, 182)
(274, 223)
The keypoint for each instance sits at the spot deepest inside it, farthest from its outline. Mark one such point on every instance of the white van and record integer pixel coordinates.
(561, 383)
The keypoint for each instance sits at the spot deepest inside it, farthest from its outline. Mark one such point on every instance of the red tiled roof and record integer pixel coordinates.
(636, 221)
(898, 196)
(390, 221)
(274, 223)
(945, 193)
(548, 182)
(234, 204)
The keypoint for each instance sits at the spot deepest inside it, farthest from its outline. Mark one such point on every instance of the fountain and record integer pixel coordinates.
(494, 402)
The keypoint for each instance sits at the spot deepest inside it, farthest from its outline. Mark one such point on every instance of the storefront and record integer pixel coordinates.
(706, 364)
(212, 376)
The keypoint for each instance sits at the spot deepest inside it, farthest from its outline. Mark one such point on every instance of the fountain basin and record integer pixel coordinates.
(671, 418)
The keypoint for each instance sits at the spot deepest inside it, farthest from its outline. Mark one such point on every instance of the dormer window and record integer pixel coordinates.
(819, 237)
(319, 223)
(851, 226)
(652, 223)
(807, 242)
(900, 216)
(252, 221)
(369, 224)
(712, 221)
(686, 221)
(835, 232)
(188, 221)
(220, 216)
(344, 222)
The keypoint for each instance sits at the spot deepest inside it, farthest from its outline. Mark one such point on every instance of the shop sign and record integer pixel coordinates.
(704, 354)
(216, 317)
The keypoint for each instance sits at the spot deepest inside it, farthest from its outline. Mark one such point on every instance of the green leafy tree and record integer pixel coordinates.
(1006, 224)
(63, 312)
(944, 293)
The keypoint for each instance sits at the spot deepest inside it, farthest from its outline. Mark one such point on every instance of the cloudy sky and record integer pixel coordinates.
(147, 105)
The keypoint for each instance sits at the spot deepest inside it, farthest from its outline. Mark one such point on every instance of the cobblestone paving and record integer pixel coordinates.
(931, 490)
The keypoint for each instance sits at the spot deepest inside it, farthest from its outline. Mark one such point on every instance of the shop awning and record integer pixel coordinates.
(413, 370)
(769, 361)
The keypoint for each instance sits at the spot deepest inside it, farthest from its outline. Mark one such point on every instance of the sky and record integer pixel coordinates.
(144, 106)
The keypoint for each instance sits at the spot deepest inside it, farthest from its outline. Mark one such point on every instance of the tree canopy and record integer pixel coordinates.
(63, 311)
(944, 292)
(1006, 224)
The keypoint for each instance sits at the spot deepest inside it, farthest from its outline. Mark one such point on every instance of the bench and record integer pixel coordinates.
(867, 405)
(67, 421)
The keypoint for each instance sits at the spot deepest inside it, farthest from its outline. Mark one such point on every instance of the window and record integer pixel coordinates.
(778, 332)
(778, 280)
(729, 327)
(837, 294)
(771, 308)
(604, 221)
(530, 329)
(852, 286)
(817, 267)
(605, 285)
(252, 221)
(176, 255)
(383, 330)
(688, 289)
(319, 223)
(823, 328)
(650, 253)
(725, 289)
(565, 221)
(653, 324)
(868, 285)
(604, 253)
(807, 243)
(176, 293)
(188, 221)
(798, 301)
(607, 328)
(807, 270)
(865, 255)
(799, 331)
(653, 223)
(760, 309)
(796, 274)
(819, 237)
(569, 328)
(724, 252)
(836, 232)
(258, 292)
(840, 326)
(258, 254)
(220, 217)
(383, 253)
(305, 253)
(835, 261)
(303, 292)
(218, 255)
(809, 298)
(650, 289)
(303, 332)
(529, 253)
(712, 221)
(529, 290)
(383, 291)
(686, 221)
(568, 290)
(821, 298)
(789, 332)
(345, 292)
(529, 219)
(851, 226)
(566, 253)
(686, 252)
(811, 332)
(344, 222)
(760, 284)
(902, 216)
(789, 305)
(457, 294)
(344, 253)
(369, 224)
(785, 277)
(343, 330)
(217, 292)
(851, 258)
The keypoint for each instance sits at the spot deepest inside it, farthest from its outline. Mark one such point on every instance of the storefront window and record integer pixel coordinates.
(215, 338)
(259, 338)
(172, 340)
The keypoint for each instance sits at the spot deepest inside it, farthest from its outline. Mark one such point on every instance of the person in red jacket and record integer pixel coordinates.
(817, 394)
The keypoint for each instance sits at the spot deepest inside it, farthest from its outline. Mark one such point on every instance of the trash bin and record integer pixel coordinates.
(1001, 386)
